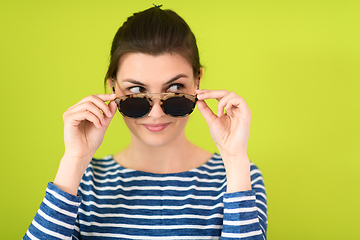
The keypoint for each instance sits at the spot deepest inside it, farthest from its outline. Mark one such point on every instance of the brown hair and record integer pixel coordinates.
(155, 32)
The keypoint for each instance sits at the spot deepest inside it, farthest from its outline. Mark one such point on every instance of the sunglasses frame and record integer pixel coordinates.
(149, 97)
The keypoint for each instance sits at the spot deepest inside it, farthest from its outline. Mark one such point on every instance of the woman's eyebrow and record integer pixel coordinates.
(176, 78)
(136, 82)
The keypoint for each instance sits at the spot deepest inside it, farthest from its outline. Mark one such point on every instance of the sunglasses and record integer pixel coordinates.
(138, 105)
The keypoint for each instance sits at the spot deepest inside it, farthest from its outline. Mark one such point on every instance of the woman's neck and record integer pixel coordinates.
(178, 156)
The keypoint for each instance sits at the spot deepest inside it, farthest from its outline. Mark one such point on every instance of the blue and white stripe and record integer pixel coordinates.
(120, 203)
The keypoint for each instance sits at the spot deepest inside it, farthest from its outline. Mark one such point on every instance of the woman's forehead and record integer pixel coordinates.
(140, 66)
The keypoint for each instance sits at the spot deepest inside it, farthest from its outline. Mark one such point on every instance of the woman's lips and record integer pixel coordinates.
(156, 127)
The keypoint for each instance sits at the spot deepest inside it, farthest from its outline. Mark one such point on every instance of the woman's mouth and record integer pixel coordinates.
(156, 127)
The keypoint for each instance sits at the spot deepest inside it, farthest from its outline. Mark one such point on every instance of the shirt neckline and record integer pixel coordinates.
(110, 157)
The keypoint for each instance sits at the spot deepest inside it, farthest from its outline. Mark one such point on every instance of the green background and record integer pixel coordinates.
(296, 63)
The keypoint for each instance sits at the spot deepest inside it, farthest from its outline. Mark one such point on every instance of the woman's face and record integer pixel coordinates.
(143, 73)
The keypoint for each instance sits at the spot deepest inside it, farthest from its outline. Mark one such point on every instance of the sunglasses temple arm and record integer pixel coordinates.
(113, 85)
(117, 101)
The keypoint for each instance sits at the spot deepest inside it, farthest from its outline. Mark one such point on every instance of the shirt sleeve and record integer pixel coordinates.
(245, 213)
(56, 216)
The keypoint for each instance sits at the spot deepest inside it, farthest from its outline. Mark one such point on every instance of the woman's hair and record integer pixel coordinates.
(155, 32)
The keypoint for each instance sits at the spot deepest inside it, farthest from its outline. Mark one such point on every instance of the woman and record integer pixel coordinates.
(161, 186)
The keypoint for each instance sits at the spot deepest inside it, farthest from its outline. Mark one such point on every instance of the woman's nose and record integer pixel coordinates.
(156, 110)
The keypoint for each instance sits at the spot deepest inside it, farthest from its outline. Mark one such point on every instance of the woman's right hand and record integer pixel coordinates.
(85, 125)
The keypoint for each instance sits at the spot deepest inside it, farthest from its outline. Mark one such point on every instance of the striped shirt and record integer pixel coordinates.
(119, 203)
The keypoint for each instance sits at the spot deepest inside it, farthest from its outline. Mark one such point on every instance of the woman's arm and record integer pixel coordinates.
(56, 216)
(85, 124)
(245, 213)
(230, 130)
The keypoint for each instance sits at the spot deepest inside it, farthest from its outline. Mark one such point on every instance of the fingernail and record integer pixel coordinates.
(103, 122)
(109, 114)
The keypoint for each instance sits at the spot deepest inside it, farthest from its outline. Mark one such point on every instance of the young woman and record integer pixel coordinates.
(161, 186)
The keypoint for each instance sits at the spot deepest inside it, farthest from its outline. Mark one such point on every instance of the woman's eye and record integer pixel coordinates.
(175, 87)
(136, 89)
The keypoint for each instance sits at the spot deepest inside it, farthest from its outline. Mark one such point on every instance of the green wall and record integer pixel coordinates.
(296, 63)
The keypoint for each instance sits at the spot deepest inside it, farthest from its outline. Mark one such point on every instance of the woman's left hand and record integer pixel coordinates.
(230, 129)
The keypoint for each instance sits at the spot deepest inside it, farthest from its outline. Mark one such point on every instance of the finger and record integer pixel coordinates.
(232, 107)
(199, 91)
(211, 94)
(101, 97)
(91, 107)
(206, 112)
(77, 117)
(106, 97)
(113, 107)
(99, 101)
(235, 102)
(237, 107)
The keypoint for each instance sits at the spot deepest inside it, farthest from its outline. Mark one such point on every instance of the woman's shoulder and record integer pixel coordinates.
(102, 168)
(104, 165)
(104, 161)
(101, 174)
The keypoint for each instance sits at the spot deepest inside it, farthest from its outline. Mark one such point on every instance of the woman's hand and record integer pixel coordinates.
(85, 125)
(230, 131)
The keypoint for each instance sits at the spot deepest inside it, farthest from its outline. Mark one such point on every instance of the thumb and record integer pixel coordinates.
(206, 112)
(113, 107)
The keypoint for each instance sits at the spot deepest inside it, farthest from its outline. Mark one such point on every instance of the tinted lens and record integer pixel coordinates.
(135, 107)
(178, 106)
